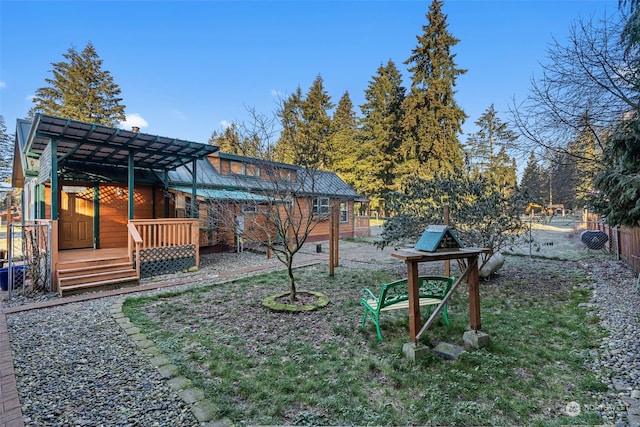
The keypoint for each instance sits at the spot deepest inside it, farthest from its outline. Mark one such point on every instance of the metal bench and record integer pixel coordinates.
(395, 296)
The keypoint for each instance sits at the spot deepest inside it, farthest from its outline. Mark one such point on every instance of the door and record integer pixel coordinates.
(76, 219)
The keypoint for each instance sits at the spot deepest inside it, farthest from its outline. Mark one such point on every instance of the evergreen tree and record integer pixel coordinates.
(343, 155)
(316, 129)
(6, 152)
(230, 141)
(534, 181)
(290, 115)
(80, 90)
(432, 118)
(617, 185)
(380, 134)
(306, 128)
(503, 172)
(481, 146)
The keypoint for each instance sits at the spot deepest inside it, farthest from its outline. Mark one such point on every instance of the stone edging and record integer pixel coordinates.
(203, 410)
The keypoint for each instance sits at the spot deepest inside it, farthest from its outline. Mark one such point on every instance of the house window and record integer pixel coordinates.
(321, 206)
(344, 212)
(249, 208)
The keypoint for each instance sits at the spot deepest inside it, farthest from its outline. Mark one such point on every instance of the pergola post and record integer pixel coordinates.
(55, 215)
(131, 185)
(194, 194)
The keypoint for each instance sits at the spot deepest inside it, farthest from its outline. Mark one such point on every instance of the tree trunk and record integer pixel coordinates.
(292, 281)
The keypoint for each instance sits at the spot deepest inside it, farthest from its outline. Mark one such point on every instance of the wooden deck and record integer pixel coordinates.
(80, 255)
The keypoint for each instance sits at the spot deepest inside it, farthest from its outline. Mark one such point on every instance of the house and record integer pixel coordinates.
(121, 204)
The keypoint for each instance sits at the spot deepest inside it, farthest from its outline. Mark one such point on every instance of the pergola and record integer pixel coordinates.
(71, 149)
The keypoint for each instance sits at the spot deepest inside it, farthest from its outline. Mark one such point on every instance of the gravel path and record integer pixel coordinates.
(75, 367)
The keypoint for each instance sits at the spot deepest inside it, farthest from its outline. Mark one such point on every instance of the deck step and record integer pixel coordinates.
(96, 274)
(98, 286)
(100, 276)
(66, 272)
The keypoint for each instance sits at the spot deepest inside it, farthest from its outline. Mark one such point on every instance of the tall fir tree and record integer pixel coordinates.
(315, 132)
(503, 172)
(230, 141)
(290, 115)
(433, 120)
(80, 90)
(493, 135)
(380, 133)
(535, 181)
(306, 127)
(343, 156)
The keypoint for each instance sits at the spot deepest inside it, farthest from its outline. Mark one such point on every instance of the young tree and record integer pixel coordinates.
(286, 203)
(380, 134)
(81, 90)
(432, 119)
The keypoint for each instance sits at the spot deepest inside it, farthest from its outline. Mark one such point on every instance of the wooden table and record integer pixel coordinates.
(413, 257)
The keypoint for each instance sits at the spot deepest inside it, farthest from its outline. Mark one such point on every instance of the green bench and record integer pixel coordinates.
(395, 296)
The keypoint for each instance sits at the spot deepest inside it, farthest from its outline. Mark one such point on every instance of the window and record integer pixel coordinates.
(321, 206)
(344, 212)
(249, 208)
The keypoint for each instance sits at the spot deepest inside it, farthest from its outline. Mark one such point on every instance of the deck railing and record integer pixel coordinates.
(164, 233)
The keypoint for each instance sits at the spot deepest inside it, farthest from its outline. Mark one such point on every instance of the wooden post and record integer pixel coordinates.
(414, 300)
(447, 263)
(473, 279)
(332, 231)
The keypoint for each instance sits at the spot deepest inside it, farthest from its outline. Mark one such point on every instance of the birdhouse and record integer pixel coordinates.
(438, 238)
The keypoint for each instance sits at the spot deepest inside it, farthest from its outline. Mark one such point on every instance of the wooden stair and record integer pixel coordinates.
(80, 276)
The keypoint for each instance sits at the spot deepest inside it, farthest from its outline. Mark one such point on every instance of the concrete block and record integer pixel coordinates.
(413, 351)
(476, 339)
(448, 351)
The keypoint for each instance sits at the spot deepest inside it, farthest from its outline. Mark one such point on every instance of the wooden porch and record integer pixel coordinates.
(155, 246)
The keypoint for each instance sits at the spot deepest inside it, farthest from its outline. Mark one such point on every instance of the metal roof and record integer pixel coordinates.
(236, 195)
(104, 145)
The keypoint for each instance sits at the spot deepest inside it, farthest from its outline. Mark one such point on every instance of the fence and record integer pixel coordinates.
(28, 257)
(623, 244)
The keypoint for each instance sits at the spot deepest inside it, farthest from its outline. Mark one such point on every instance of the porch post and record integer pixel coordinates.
(194, 195)
(130, 182)
(40, 207)
(166, 193)
(54, 180)
(96, 216)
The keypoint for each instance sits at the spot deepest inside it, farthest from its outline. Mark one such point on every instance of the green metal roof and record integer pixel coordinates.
(238, 196)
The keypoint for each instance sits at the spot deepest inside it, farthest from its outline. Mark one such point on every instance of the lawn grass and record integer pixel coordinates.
(261, 367)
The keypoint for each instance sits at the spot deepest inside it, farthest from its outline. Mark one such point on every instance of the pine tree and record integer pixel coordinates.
(306, 127)
(343, 155)
(380, 133)
(316, 127)
(432, 118)
(230, 141)
(81, 90)
(534, 181)
(290, 115)
(481, 146)
(503, 172)
(6, 152)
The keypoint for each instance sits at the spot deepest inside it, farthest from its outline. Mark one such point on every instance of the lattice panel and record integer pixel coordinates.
(168, 259)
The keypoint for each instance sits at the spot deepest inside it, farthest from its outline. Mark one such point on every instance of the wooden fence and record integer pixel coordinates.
(624, 242)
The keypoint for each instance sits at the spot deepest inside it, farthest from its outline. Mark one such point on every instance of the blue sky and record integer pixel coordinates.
(186, 68)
